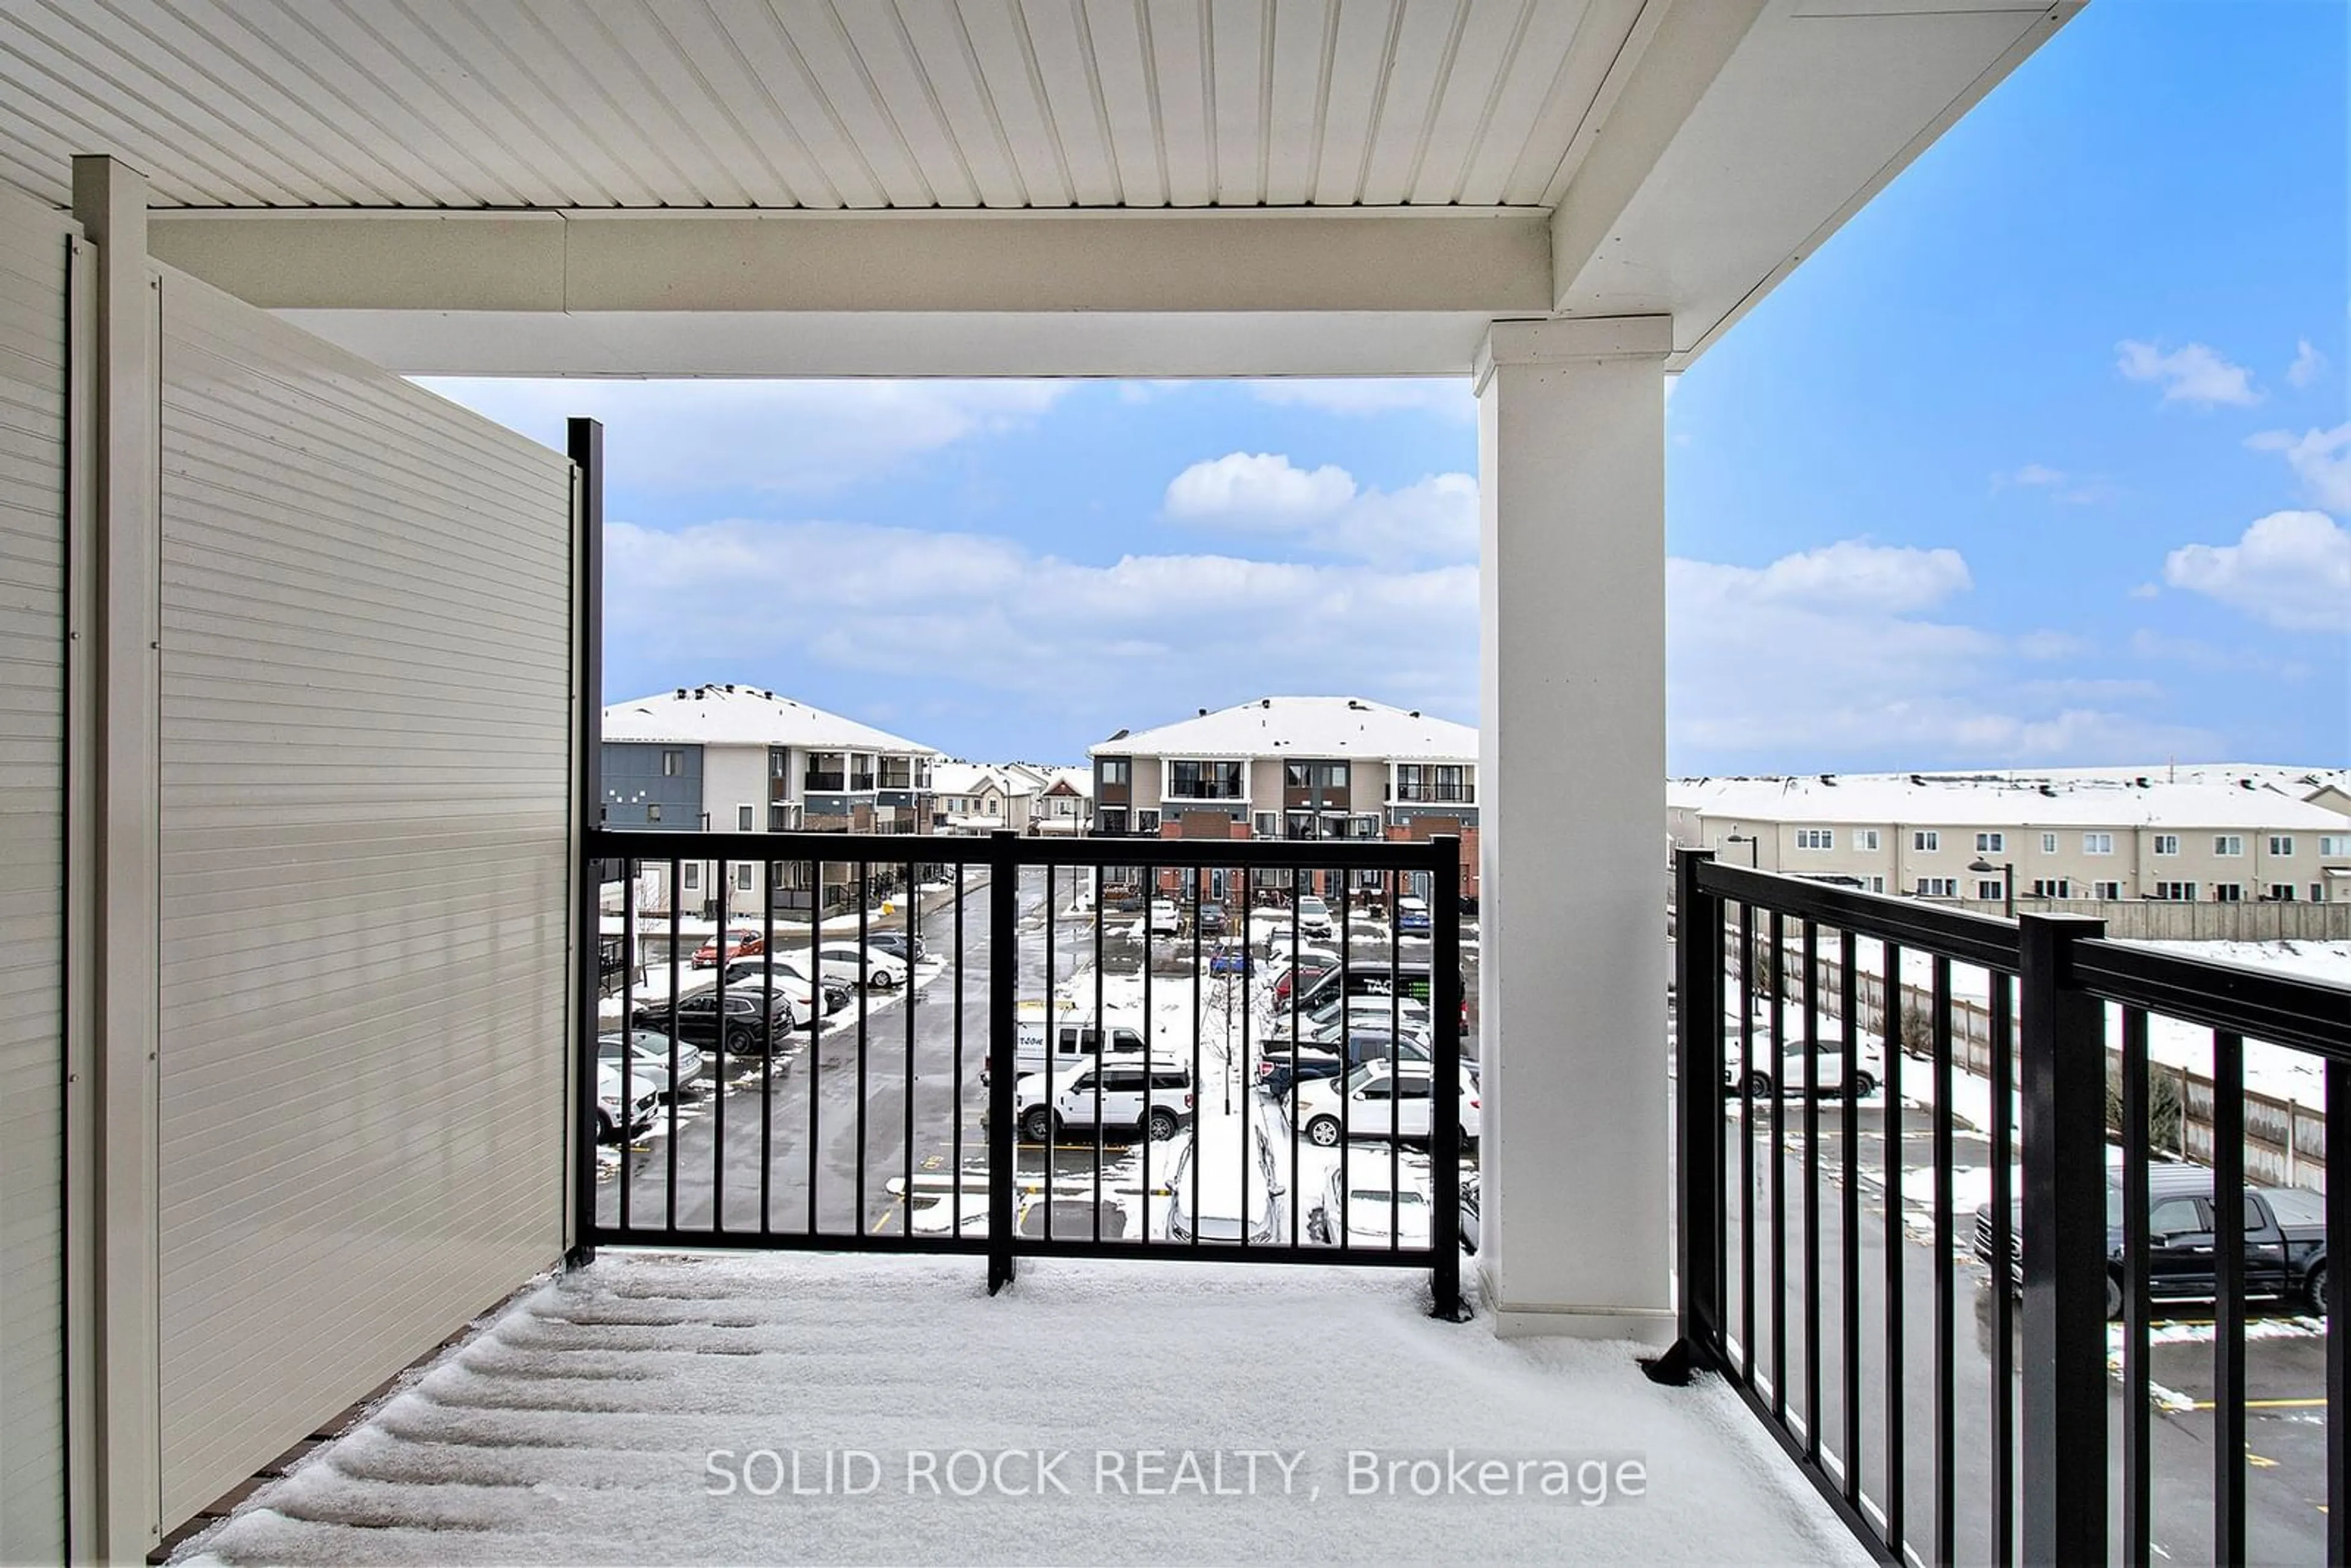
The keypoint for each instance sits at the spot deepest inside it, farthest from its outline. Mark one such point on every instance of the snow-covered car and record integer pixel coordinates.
(869, 966)
(1786, 1076)
(736, 942)
(1372, 1210)
(1221, 1189)
(1114, 1092)
(611, 1122)
(1281, 1065)
(1412, 918)
(1377, 1099)
(1387, 1014)
(651, 1049)
(1166, 918)
(895, 944)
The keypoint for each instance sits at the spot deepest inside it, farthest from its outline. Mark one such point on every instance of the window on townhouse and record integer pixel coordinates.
(1867, 839)
(1926, 840)
(2175, 892)
(1816, 838)
(1268, 825)
(746, 876)
(991, 805)
(1364, 828)
(1877, 884)
(652, 813)
(2053, 887)
(2280, 844)
(2335, 844)
(2048, 843)
(745, 822)
(1111, 769)
(2227, 892)
(692, 875)
(2097, 843)
(1192, 781)
(1989, 890)
(1146, 821)
(1938, 887)
(2317, 892)
(2281, 892)
(2228, 844)
(2111, 891)
(1991, 843)
(779, 819)
(672, 764)
(779, 762)
(2167, 843)
(1110, 821)
(1315, 776)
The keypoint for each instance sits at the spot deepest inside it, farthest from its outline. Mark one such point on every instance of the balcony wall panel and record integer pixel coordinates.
(33, 465)
(367, 750)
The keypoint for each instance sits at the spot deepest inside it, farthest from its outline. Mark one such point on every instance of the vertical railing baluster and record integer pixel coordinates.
(1237, 1000)
(906, 1088)
(2229, 1298)
(720, 1027)
(1102, 1049)
(2003, 1253)
(628, 1023)
(1052, 1027)
(1395, 1077)
(676, 887)
(864, 1031)
(1700, 1237)
(954, 1108)
(1003, 1006)
(1776, 977)
(816, 1048)
(1849, 1252)
(1196, 880)
(1811, 959)
(768, 1028)
(2063, 1432)
(2136, 1515)
(1747, 996)
(1297, 985)
(1445, 1021)
(1946, 1278)
(2337, 1308)
(1896, 1417)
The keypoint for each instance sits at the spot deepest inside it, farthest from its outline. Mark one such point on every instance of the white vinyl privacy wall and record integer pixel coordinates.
(367, 752)
(33, 467)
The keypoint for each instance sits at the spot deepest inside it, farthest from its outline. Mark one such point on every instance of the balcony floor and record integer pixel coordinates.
(579, 1426)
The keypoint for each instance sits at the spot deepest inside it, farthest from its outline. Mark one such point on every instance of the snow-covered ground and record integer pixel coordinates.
(594, 1421)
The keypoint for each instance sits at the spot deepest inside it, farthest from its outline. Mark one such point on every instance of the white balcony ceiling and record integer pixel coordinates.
(1584, 156)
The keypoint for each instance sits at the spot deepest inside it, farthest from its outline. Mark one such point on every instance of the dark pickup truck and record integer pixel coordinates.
(2286, 1241)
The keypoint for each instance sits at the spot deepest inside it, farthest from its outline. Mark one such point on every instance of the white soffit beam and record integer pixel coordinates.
(1495, 260)
(1808, 113)
(1138, 344)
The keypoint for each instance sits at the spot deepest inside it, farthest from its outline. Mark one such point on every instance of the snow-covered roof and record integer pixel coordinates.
(962, 778)
(1999, 801)
(747, 715)
(1304, 726)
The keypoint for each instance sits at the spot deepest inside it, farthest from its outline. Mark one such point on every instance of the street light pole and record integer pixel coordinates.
(2007, 882)
(1754, 848)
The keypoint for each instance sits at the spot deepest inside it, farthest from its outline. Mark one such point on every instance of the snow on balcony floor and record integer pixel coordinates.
(579, 1428)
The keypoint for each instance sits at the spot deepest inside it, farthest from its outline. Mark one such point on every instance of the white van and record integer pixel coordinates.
(1075, 1040)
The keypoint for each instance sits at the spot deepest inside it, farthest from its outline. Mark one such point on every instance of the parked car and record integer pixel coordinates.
(1075, 1040)
(1209, 919)
(1155, 1098)
(1828, 1067)
(651, 1049)
(895, 944)
(1314, 916)
(1310, 965)
(1220, 1189)
(1279, 1069)
(613, 1123)
(791, 975)
(1337, 1016)
(1362, 1208)
(736, 942)
(870, 966)
(1230, 958)
(1377, 1098)
(743, 1028)
(1375, 976)
(2285, 1258)
(1165, 917)
(1412, 918)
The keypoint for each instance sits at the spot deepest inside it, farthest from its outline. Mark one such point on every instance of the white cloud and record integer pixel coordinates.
(2291, 570)
(2308, 365)
(783, 436)
(1448, 395)
(1828, 653)
(2321, 459)
(1266, 495)
(2057, 482)
(1104, 643)
(2191, 374)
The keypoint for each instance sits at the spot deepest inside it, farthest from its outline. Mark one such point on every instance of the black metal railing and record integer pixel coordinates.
(1060, 1078)
(1995, 1446)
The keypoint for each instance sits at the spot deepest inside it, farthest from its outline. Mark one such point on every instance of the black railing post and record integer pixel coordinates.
(2062, 1048)
(1445, 1130)
(1698, 1120)
(1003, 1033)
(586, 438)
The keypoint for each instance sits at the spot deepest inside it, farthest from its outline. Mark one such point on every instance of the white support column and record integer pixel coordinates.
(1572, 765)
(117, 842)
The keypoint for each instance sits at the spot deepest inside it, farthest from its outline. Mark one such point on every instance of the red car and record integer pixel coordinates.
(742, 942)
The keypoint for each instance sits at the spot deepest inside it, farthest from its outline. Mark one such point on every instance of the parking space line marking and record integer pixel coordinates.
(2318, 1403)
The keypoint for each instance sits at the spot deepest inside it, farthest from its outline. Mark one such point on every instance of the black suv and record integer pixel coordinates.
(746, 1030)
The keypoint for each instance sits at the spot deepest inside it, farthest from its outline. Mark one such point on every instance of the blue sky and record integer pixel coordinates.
(2043, 459)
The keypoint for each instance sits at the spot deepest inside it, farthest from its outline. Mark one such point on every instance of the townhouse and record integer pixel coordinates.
(2107, 835)
(730, 757)
(1294, 767)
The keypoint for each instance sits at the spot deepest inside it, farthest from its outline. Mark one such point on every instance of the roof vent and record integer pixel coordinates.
(769, 695)
(1918, 778)
(1829, 778)
(1267, 702)
(700, 693)
(2050, 790)
(2244, 783)
(680, 693)
(2142, 780)
(1355, 707)
(1204, 713)
(1120, 736)
(1415, 713)
(730, 686)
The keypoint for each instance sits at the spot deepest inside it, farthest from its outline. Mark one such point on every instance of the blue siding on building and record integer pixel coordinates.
(635, 780)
